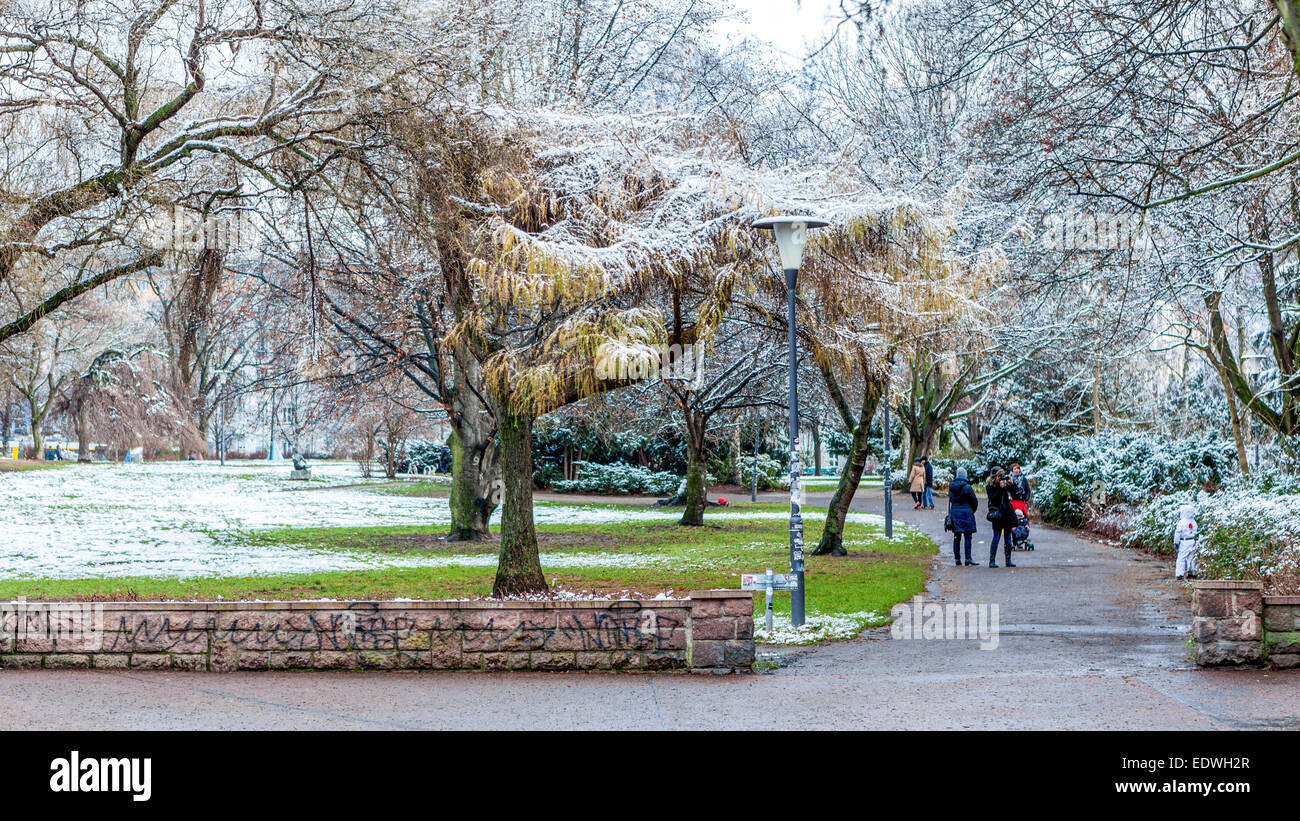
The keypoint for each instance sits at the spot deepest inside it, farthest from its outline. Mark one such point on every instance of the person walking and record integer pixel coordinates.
(916, 483)
(1001, 516)
(927, 496)
(962, 504)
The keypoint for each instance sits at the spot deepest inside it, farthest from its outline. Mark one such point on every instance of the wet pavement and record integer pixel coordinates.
(1090, 637)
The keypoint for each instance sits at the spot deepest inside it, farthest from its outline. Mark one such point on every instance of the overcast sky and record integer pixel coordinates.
(788, 24)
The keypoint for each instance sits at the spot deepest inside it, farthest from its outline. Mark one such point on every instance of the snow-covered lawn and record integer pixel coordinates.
(159, 519)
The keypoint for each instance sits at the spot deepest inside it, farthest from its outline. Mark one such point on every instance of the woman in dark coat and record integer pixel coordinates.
(964, 503)
(999, 489)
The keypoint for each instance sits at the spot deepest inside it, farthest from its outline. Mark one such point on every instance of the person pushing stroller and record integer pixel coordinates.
(1021, 493)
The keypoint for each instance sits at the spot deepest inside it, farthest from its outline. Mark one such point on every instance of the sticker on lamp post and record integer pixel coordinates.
(769, 582)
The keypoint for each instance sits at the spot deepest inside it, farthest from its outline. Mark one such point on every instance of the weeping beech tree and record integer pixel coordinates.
(580, 227)
(539, 327)
(869, 285)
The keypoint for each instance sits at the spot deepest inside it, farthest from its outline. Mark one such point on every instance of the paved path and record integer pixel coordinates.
(1092, 637)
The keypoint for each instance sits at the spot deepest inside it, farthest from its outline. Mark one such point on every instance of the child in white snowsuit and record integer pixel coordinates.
(1185, 543)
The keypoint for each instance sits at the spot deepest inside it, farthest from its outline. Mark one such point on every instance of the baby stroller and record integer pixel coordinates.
(1020, 533)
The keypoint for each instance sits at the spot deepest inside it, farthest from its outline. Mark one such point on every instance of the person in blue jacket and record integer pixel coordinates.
(964, 503)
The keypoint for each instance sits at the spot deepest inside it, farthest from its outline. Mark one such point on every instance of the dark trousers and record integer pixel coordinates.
(1005, 534)
(956, 546)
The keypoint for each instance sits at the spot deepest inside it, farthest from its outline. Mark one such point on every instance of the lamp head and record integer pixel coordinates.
(791, 235)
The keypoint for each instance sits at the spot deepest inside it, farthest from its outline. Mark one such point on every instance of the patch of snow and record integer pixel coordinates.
(816, 627)
(160, 518)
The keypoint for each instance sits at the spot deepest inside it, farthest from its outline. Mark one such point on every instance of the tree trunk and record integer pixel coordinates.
(974, 432)
(475, 457)
(734, 462)
(474, 490)
(696, 480)
(924, 445)
(390, 459)
(6, 422)
(1096, 397)
(816, 430)
(1289, 11)
(910, 436)
(83, 432)
(38, 441)
(519, 568)
(832, 540)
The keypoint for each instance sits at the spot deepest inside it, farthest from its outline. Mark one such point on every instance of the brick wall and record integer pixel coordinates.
(712, 631)
(1234, 623)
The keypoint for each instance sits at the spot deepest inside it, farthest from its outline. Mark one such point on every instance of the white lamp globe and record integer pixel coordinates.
(791, 235)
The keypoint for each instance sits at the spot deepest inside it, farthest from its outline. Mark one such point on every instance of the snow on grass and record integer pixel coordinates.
(816, 627)
(158, 519)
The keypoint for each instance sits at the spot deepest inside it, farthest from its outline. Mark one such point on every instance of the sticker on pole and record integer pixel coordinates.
(759, 581)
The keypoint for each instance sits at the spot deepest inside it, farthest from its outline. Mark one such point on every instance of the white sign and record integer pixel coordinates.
(758, 581)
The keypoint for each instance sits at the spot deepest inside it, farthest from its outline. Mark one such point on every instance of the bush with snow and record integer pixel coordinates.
(1125, 467)
(424, 456)
(1249, 530)
(942, 477)
(1007, 443)
(593, 477)
(771, 474)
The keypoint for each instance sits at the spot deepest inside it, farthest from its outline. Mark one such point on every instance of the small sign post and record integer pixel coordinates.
(769, 582)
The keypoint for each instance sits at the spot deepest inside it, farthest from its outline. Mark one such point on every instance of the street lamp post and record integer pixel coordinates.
(791, 235)
(888, 481)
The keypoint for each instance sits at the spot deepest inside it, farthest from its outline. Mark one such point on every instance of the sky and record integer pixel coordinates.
(786, 24)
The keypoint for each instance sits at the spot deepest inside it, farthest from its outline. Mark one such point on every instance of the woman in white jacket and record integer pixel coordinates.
(1185, 543)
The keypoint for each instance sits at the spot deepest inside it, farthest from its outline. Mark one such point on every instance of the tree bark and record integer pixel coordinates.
(390, 458)
(815, 428)
(1289, 11)
(38, 441)
(6, 422)
(832, 540)
(1237, 436)
(974, 432)
(696, 480)
(519, 568)
(474, 490)
(475, 458)
(924, 443)
(1096, 398)
(83, 432)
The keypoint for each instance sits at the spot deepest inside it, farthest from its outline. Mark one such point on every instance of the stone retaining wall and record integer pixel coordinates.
(712, 631)
(1282, 630)
(1234, 623)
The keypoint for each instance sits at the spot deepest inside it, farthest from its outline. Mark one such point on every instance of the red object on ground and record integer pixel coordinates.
(722, 502)
(1016, 504)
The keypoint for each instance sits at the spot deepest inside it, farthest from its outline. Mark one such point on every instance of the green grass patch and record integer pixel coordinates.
(426, 488)
(20, 465)
(646, 503)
